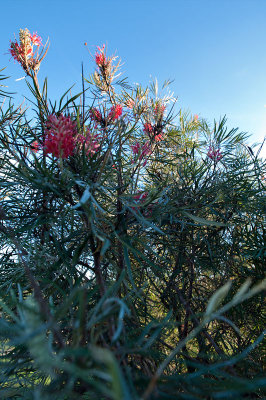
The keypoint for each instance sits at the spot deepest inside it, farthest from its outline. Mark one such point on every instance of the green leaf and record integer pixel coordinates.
(217, 298)
(203, 221)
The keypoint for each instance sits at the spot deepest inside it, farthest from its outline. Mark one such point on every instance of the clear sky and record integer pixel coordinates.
(215, 50)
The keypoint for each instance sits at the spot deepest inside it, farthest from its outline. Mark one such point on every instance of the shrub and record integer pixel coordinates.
(133, 245)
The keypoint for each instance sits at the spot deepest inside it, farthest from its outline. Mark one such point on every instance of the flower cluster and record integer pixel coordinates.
(115, 112)
(100, 57)
(159, 110)
(141, 152)
(98, 118)
(140, 196)
(106, 70)
(96, 115)
(61, 138)
(91, 143)
(36, 40)
(60, 132)
(158, 136)
(23, 51)
(214, 155)
(154, 132)
(35, 146)
(147, 128)
(196, 118)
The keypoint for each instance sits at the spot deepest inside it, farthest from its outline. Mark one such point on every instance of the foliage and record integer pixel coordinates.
(133, 246)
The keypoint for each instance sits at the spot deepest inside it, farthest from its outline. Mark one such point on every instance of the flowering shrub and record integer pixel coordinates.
(126, 255)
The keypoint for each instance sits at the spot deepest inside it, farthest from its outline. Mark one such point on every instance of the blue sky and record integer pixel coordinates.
(215, 50)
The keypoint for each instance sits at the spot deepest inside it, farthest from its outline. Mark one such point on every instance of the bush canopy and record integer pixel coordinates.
(132, 244)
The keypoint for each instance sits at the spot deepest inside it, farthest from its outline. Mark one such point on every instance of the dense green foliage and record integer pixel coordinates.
(127, 275)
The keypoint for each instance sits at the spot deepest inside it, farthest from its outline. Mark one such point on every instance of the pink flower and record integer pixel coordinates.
(140, 196)
(60, 132)
(23, 52)
(159, 110)
(19, 53)
(214, 155)
(91, 143)
(35, 146)
(196, 117)
(95, 115)
(145, 150)
(148, 129)
(36, 40)
(100, 57)
(153, 131)
(141, 152)
(115, 112)
(136, 148)
(15, 51)
(158, 137)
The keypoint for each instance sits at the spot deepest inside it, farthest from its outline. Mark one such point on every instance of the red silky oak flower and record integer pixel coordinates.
(95, 115)
(23, 51)
(115, 112)
(100, 57)
(59, 140)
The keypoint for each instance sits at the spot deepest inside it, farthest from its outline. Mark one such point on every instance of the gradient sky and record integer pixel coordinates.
(215, 50)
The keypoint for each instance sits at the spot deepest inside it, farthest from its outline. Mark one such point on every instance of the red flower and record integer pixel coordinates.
(91, 143)
(100, 57)
(153, 132)
(95, 115)
(36, 40)
(35, 146)
(136, 148)
(18, 52)
(148, 129)
(159, 110)
(158, 137)
(23, 52)
(60, 132)
(142, 151)
(15, 51)
(115, 112)
(214, 155)
(140, 196)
